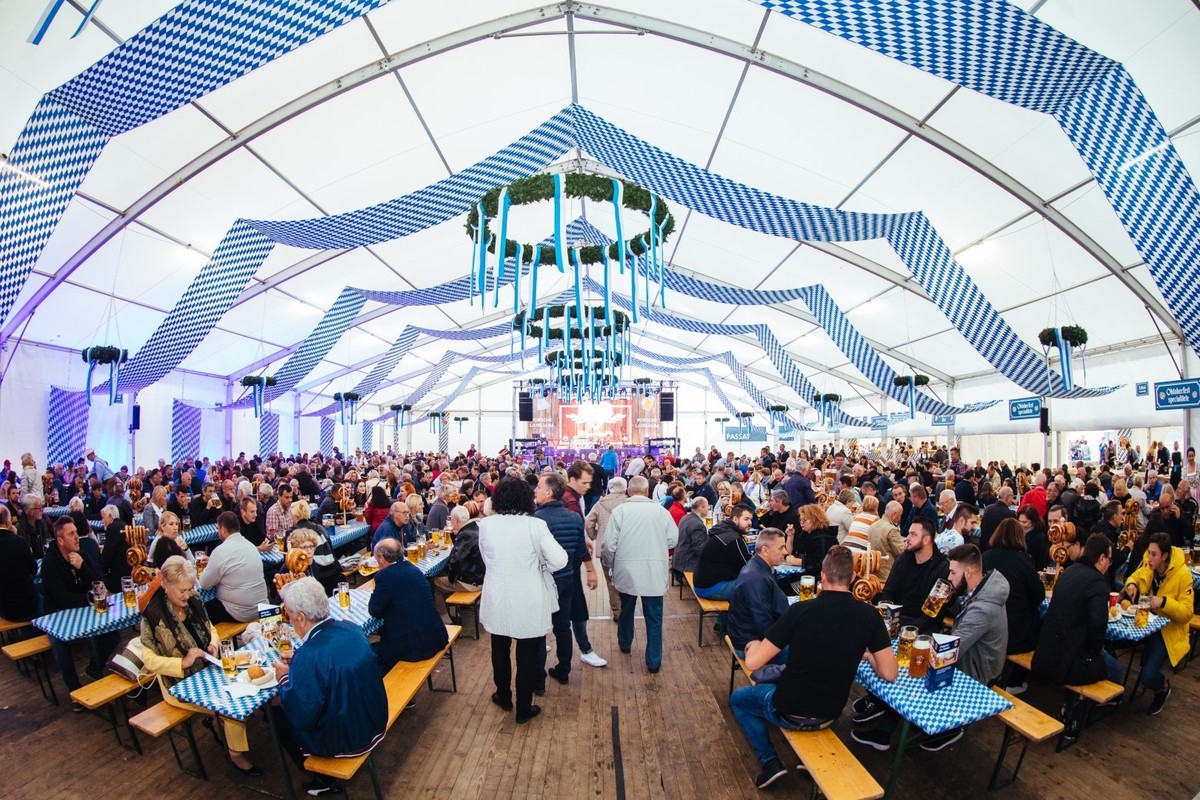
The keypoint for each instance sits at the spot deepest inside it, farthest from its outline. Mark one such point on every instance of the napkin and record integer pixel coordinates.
(237, 689)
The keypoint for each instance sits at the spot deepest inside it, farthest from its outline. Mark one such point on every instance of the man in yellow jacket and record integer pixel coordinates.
(1168, 582)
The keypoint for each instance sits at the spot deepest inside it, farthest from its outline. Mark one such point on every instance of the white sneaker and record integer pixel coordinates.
(592, 660)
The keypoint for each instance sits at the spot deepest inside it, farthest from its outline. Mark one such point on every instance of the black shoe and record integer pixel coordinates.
(626, 650)
(942, 740)
(654, 670)
(317, 787)
(1071, 729)
(251, 772)
(866, 709)
(93, 673)
(772, 771)
(500, 701)
(561, 677)
(1160, 699)
(718, 627)
(533, 712)
(76, 707)
(873, 738)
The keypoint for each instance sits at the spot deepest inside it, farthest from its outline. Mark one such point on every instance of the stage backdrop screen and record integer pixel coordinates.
(622, 421)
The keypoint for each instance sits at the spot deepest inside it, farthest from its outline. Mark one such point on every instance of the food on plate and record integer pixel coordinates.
(1126, 605)
(241, 659)
(255, 672)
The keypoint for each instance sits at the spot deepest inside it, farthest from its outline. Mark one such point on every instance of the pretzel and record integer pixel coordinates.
(142, 575)
(297, 561)
(862, 590)
(135, 534)
(1058, 553)
(135, 555)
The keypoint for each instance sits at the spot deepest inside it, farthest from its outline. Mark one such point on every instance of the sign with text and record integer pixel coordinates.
(744, 434)
(1142, 388)
(879, 423)
(1170, 395)
(786, 434)
(896, 417)
(1025, 408)
(943, 420)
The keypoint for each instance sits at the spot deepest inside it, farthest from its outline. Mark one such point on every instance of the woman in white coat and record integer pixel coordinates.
(516, 603)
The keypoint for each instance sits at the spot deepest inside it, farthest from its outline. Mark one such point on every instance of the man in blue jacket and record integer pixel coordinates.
(412, 628)
(333, 699)
(567, 528)
(397, 526)
(757, 602)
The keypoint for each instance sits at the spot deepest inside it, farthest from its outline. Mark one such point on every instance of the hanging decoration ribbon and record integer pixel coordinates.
(1064, 339)
(114, 357)
(257, 385)
(912, 397)
(502, 205)
(1064, 359)
(560, 233)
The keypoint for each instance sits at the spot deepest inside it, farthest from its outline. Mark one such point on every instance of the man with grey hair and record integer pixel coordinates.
(332, 694)
(692, 533)
(884, 535)
(798, 487)
(594, 526)
(994, 514)
(113, 564)
(397, 526)
(33, 527)
(636, 541)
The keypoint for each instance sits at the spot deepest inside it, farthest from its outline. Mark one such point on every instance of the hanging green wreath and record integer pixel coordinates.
(103, 354)
(905, 380)
(527, 323)
(778, 409)
(831, 398)
(538, 188)
(745, 414)
(1073, 335)
(258, 380)
(400, 407)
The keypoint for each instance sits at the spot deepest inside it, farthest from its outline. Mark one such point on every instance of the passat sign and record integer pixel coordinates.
(743, 434)
(943, 420)
(1025, 408)
(1177, 394)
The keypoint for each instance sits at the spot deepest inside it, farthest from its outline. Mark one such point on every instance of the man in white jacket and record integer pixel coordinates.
(636, 541)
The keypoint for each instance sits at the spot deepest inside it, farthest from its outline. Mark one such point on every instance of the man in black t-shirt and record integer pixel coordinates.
(826, 638)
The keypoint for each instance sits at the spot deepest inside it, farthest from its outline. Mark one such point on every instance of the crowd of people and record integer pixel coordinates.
(531, 532)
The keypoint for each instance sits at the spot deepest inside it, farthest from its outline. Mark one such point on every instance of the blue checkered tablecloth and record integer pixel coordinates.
(54, 512)
(433, 563)
(202, 534)
(1195, 580)
(784, 571)
(344, 534)
(357, 613)
(207, 689)
(95, 524)
(964, 701)
(1122, 629)
(71, 624)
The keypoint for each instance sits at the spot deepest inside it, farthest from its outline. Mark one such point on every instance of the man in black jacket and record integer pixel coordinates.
(723, 556)
(33, 527)
(781, 513)
(994, 514)
(567, 529)
(66, 579)
(757, 602)
(412, 627)
(205, 507)
(113, 562)
(18, 597)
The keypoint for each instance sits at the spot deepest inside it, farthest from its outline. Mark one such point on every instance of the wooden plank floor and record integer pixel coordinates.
(678, 740)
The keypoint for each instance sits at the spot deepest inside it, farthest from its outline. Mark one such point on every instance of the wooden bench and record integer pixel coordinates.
(706, 607)
(228, 630)
(107, 693)
(36, 649)
(459, 601)
(401, 684)
(162, 717)
(1099, 693)
(835, 772)
(1023, 720)
(7, 627)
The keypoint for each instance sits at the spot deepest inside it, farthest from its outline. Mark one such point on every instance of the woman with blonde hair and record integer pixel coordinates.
(167, 541)
(31, 482)
(176, 633)
(152, 513)
(813, 540)
(325, 565)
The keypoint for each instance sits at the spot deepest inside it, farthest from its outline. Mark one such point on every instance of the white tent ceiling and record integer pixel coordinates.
(859, 131)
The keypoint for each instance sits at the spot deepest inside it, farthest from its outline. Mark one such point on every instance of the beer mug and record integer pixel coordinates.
(128, 592)
(227, 662)
(201, 563)
(937, 598)
(908, 635)
(421, 548)
(343, 593)
(284, 636)
(281, 542)
(99, 597)
(918, 662)
(412, 554)
(186, 523)
(808, 587)
(1051, 577)
(1141, 617)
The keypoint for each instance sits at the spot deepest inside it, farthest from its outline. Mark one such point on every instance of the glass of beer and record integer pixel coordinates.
(99, 596)
(1141, 617)
(284, 636)
(1051, 577)
(808, 587)
(908, 635)
(186, 522)
(412, 554)
(227, 662)
(937, 598)
(708, 521)
(201, 563)
(343, 593)
(281, 542)
(421, 548)
(918, 662)
(1196, 556)
(359, 515)
(129, 593)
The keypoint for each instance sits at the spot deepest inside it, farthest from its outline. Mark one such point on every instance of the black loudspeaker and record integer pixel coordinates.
(525, 407)
(666, 407)
(1045, 420)
(136, 422)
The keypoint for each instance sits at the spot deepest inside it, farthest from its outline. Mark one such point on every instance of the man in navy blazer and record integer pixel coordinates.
(412, 627)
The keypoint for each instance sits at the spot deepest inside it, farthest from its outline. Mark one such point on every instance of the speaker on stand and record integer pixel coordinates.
(525, 407)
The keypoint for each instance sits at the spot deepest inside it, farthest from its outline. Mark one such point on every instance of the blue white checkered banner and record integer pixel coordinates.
(326, 443)
(191, 50)
(368, 435)
(444, 439)
(1001, 50)
(185, 431)
(268, 434)
(66, 426)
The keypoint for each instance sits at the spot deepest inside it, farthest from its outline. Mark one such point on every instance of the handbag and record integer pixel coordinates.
(128, 661)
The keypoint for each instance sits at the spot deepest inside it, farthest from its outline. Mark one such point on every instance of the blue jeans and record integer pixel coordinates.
(560, 621)
(1115, 672)
(579, 613)
(718, 591)
(652, 609)
(780, 659)
(754, 709)
(1152, 664)
(102, 646)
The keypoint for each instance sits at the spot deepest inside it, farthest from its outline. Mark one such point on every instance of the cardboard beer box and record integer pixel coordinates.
(268, 613)
(942, 658)
(891, 618)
